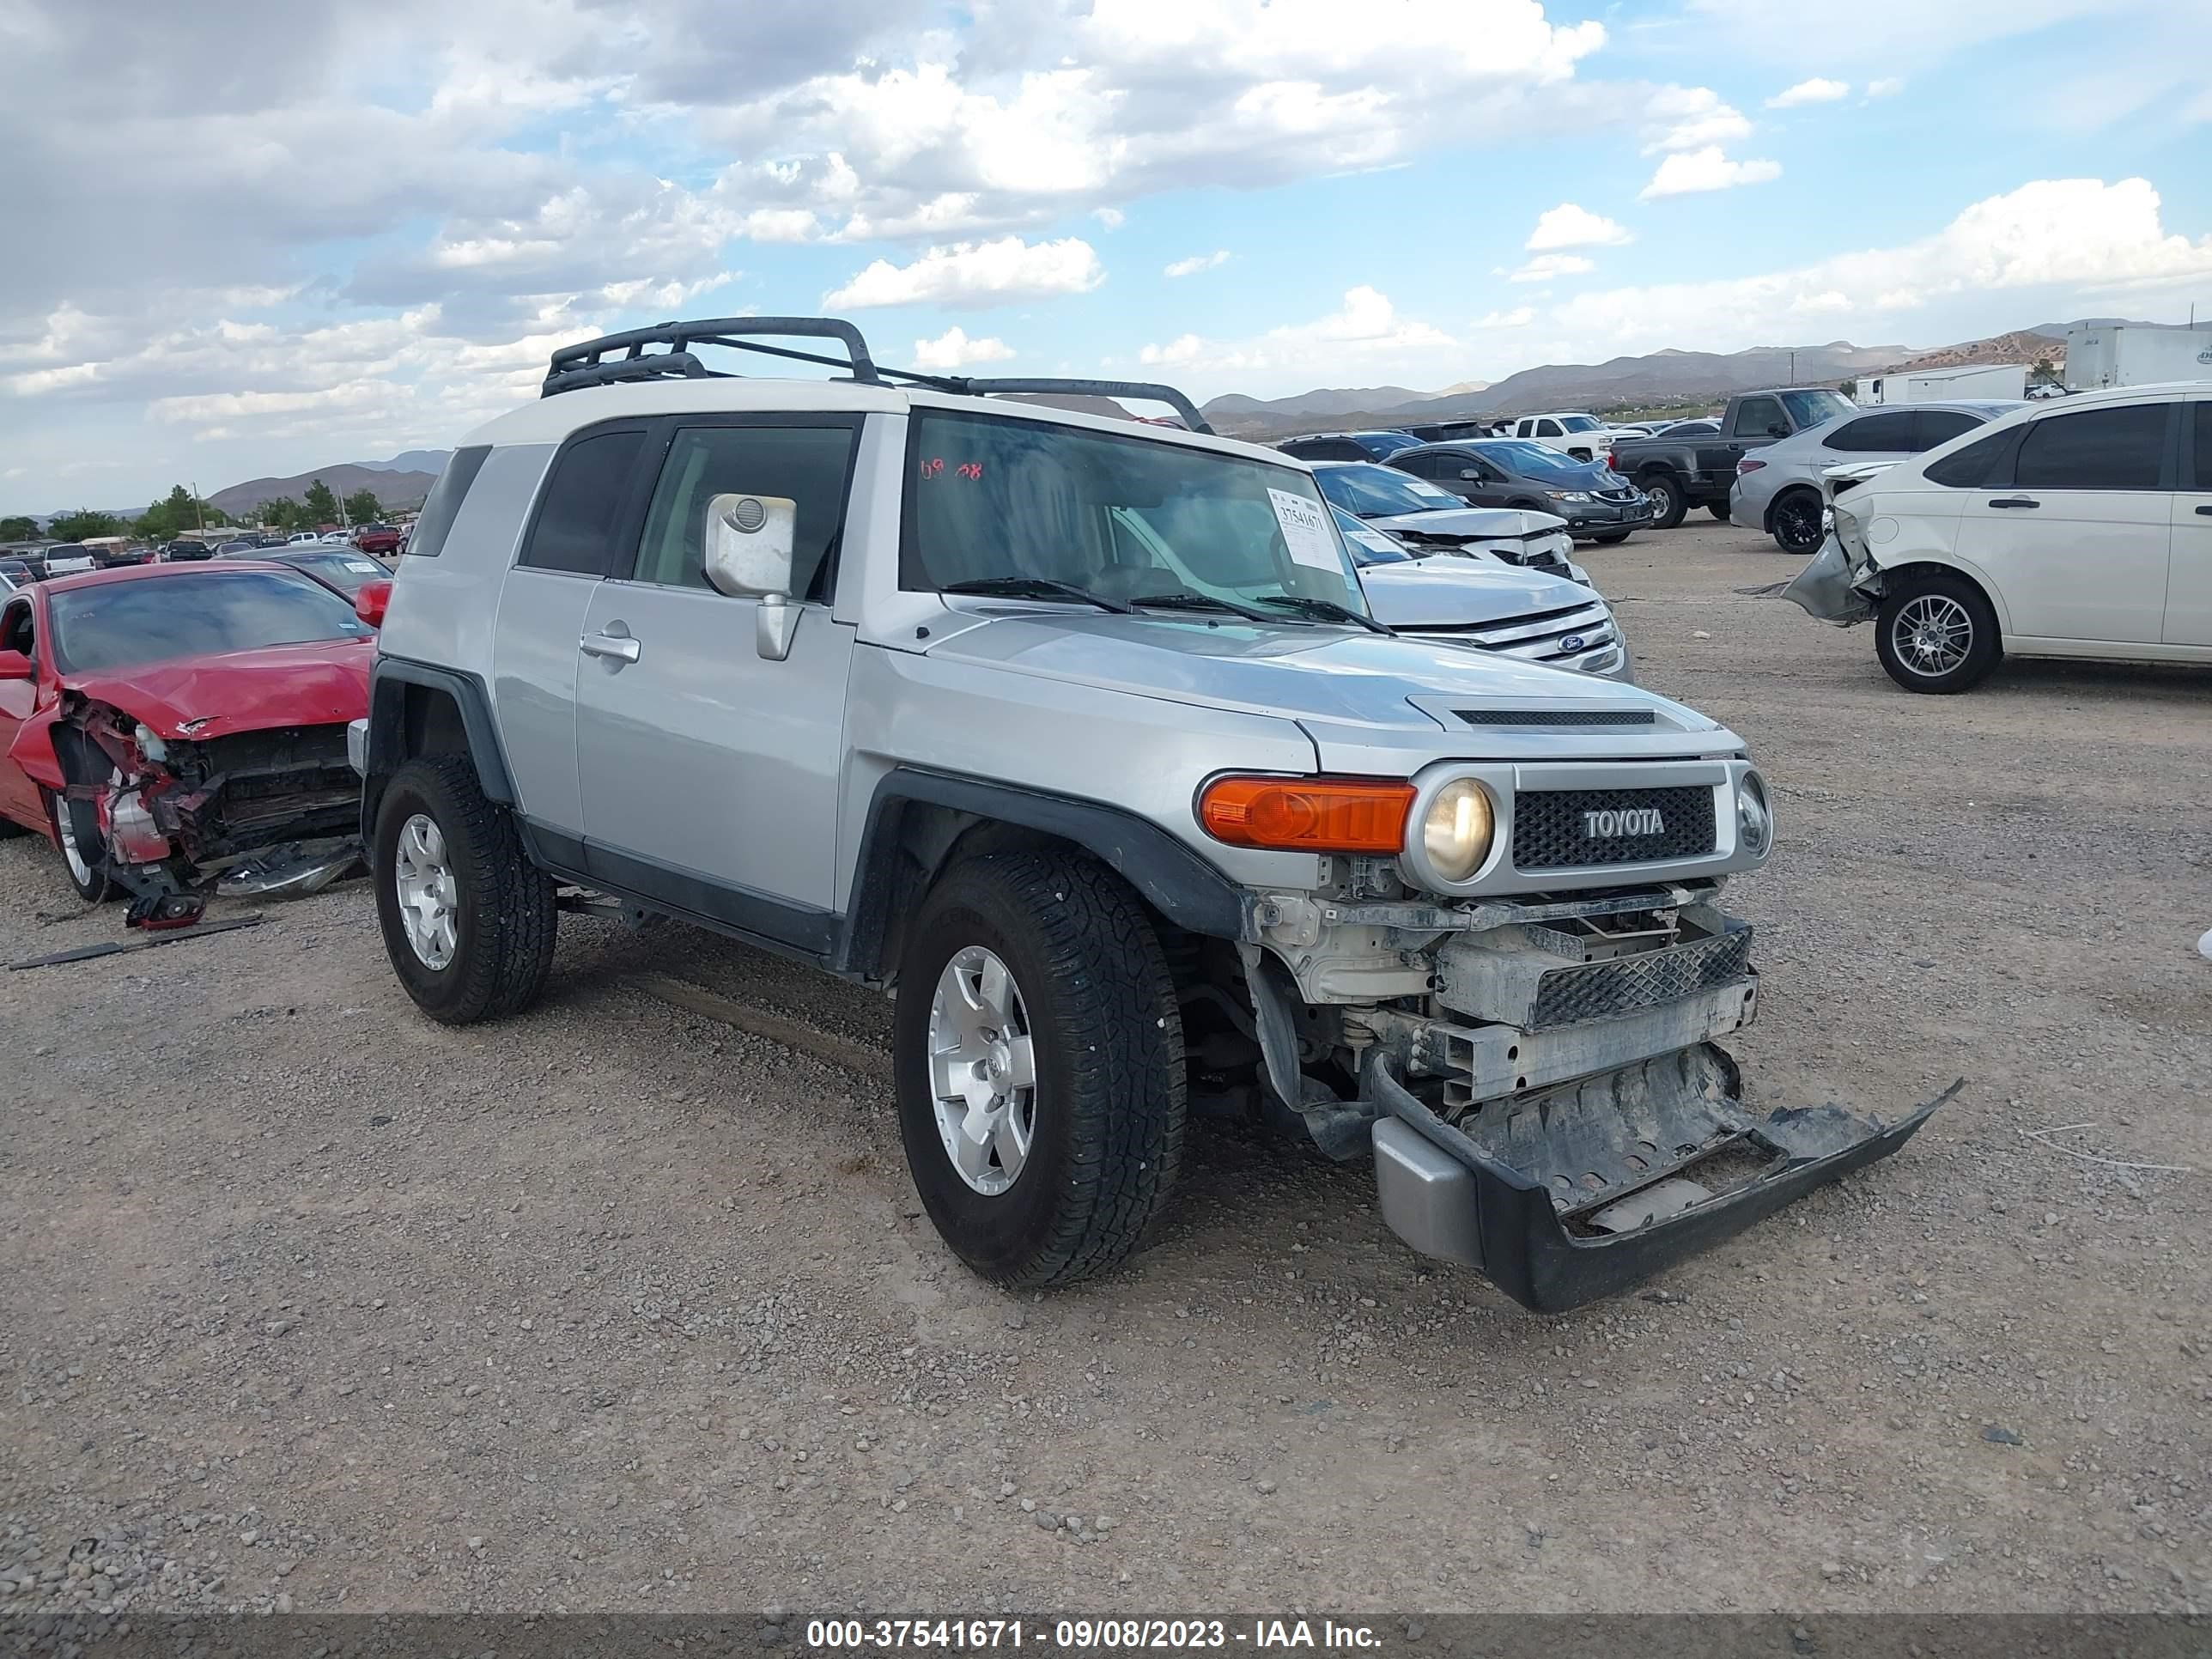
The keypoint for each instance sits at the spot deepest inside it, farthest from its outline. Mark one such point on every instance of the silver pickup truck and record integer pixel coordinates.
(1077, 735)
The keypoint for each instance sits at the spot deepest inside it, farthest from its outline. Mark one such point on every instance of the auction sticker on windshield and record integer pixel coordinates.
(1305, 531)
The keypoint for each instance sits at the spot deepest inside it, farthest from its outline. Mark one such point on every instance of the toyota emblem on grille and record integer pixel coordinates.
(1629, 821)
(1573, 642)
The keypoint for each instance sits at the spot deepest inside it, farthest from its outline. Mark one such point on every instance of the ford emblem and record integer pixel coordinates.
(1573, 642)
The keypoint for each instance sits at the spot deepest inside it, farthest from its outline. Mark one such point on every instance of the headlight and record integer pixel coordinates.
(1456, 834)
(1568, 494)
(1754, 821)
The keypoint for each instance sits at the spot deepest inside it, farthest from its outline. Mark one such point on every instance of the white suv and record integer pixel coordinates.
(2075, 529)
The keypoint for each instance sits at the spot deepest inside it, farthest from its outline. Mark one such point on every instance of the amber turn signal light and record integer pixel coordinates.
(1308, 815)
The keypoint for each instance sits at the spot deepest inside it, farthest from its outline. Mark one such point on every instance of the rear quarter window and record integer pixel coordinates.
(443, 505)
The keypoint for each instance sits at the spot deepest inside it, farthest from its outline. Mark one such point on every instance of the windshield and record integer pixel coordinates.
(124, 623)
(1535, 461)
(1381, 492)
(1002, 499)
(1368, 546)
(1580, 423)
(1384, 444)
(1810, 408)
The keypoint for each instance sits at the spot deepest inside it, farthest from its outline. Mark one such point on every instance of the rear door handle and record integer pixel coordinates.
(619, 646)
(2205, 511)
(2015, 500)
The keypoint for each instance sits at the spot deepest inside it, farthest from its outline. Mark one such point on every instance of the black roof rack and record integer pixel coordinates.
(614, 358)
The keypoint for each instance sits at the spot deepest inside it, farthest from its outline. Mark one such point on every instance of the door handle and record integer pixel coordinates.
(2015, 500)
(2205, 511)
(620, 647)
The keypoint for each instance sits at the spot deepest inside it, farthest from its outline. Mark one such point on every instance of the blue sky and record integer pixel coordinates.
(298, 232)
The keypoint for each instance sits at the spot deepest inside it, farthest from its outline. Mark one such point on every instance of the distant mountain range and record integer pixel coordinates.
(1658, 378)
(396, 491)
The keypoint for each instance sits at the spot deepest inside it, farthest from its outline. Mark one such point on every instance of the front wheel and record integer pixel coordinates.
(1038, 1052)
(1938, 636)
(1718, 509)
(468, 920)
(84, 854)
(1795, 522)
(1668, 504)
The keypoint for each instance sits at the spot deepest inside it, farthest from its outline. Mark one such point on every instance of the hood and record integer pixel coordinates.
(1451, 593)
(319, 683)
(1319, 675)
(1471, 524)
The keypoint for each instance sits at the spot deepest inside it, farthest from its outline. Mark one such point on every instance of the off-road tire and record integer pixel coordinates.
(1984, 650)
(505, 918)
(1668, 503)
(1106, 1037)
(1793, 521)
(90, 847)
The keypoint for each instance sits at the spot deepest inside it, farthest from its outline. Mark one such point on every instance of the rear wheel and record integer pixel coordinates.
(1668, 504)
(1938, 635)
(1795, 521)
(468, 920)
(84, 854)
(1038, 1052)
(1718, 509)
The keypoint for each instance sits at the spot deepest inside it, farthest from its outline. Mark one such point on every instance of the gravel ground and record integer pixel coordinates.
(307, 1302)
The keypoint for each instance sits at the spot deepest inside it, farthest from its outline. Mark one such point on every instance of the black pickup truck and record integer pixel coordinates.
(1679, 474)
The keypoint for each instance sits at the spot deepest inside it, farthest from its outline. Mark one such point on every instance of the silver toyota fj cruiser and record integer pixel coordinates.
(1077, 734)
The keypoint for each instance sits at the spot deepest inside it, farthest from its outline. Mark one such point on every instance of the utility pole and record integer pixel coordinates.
(1793, 365)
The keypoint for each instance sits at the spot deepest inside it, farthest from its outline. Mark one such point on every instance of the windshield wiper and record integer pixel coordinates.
(1326, 608)
(1035, 587)
(1201, 602)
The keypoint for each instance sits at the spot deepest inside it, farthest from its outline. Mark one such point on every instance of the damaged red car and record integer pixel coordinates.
(168, 724)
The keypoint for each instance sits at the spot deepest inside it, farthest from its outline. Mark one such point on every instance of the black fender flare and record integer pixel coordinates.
(1174, 880)
(387, 729)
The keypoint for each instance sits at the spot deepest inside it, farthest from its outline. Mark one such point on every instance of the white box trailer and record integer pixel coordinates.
(2121, 353)
(1936, 385)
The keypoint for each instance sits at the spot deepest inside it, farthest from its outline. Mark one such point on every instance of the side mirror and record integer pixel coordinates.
(1777, 430)
(748, 555)
(368, 605)
(14, 665)
(1470, 474)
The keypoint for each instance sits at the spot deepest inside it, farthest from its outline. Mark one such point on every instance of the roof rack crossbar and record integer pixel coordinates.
(586, 362)
(960, 385)
(581, 365)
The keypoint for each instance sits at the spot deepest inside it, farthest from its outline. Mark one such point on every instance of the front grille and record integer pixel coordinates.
(1628, 985)
(1548, 827)
(1536, 636)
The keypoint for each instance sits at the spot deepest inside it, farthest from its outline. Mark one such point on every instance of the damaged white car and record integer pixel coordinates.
(2082, 529)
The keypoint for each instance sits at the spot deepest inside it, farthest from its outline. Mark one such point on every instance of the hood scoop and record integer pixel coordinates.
(1531, 717)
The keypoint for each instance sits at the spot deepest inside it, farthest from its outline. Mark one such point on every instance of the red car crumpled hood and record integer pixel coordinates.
(320, 683)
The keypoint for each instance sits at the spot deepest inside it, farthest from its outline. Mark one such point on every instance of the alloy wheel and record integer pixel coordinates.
(982, 1070)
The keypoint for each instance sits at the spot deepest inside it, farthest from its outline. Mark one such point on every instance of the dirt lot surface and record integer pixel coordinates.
(307, 1301)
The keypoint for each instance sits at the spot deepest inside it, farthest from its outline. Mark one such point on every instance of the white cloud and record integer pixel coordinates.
(1547, 267)
(954, 349)
(1568, 226)
(1705, 169)
(1112, 218)
(975, 274)
(1888, 86)
(1198, 261)
(1519, 317)
(1815, 91)
(1690, 118)
(2054, 247)
(1364, 337)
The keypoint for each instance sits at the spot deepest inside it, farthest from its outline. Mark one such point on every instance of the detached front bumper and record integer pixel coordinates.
(1508, 1207)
